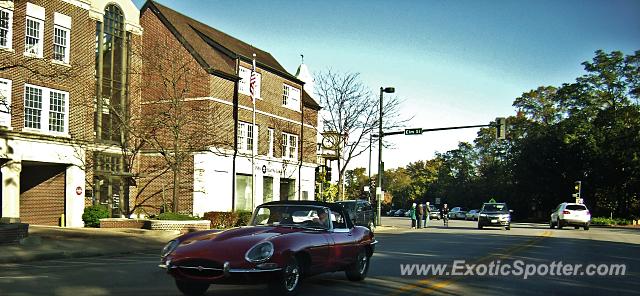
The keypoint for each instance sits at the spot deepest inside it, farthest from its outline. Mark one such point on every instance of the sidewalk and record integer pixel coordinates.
(47, 242)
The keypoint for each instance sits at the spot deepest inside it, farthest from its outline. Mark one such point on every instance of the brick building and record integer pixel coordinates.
(225, 148)
(56, 58)
(94, 111)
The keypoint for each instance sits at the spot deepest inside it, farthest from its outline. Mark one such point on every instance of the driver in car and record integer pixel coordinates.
(323, 219)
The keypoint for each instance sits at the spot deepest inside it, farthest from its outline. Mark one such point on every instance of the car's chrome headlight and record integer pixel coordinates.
(483, 215)
(169, 247)
(260, 252)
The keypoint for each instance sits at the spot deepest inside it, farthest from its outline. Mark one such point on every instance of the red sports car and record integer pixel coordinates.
(286, 241)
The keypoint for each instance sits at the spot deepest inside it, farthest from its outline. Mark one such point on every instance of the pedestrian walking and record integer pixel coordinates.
(427, 214)
(419, 215)
(412, 214)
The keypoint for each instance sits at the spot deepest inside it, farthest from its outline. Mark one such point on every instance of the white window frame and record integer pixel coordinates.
(289, 146)
(290, 97)
(65, 45)
(5, 103)
(36, 50)
(46, 110)
(245, 80)
(9, 41)
(244, 131)
(271, 135)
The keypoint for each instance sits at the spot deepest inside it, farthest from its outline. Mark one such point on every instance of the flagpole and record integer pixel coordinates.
(255, 133)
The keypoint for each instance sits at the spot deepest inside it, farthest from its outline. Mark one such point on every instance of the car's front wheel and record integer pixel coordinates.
(358, 270)
(192, 288)
(288, 281)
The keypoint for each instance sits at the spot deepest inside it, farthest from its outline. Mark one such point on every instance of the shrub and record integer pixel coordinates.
(93, 214)
(175, 216)
(609, 221)
(244, 217)
(221, 219)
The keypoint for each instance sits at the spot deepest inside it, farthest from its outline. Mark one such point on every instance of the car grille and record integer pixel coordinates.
(200, 268)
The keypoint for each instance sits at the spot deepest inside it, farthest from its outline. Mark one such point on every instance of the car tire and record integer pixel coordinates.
(192, 288)
(358, 270)
(508, 227)
(551, 225)
(479, 226)
(586, 227)
(288, 281)
(560, 224)
(576, 227)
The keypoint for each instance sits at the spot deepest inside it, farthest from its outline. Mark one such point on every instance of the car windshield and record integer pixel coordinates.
(494, 208)
(313, 217)
(348, 205)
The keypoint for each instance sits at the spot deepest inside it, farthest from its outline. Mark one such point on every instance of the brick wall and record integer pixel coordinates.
(80, 84)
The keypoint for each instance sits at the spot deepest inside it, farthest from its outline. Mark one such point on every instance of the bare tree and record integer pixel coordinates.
(175, 122)
(351, 110)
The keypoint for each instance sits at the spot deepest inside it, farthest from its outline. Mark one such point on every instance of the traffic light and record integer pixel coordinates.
(328, 173)
(501, 128)
(577, 188)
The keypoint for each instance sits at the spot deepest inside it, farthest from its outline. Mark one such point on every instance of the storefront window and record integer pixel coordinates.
(267, 189)
(244, 198)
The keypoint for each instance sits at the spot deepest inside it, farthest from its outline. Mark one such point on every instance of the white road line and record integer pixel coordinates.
(23, 277)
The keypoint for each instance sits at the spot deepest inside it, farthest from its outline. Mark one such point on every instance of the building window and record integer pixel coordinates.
(33, 37)
(290, 97)
(245, 79)
(112, 58)
(61, 44)
(289, 146)
(247, 141)
(270, 152)
(244, 197)
(267, 189)
(5, 102)
(61, 35)
(46, 109)
(6, 21)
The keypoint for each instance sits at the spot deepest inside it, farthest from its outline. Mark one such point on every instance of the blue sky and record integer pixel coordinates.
(452, 62)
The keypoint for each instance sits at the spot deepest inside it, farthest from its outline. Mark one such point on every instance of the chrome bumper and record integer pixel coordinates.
(226, 269)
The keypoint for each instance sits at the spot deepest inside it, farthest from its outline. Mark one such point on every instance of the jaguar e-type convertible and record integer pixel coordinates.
(285, 242)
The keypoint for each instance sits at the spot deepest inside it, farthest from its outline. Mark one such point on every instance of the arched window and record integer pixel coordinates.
(112, 53)
(111, 108)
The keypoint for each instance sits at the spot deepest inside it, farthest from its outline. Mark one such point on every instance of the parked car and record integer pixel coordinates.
(407, 213)
(458, 213)
(273, 249)
(570, 214)
(434, 213)
(494, 214)
(391, 212)
(472, 215)
(361, 212)
(399, 213)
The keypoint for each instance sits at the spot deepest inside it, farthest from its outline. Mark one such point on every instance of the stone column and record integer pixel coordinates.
(74, 183)
(11, 191)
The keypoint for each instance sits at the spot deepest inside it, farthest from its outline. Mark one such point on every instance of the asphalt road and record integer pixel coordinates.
(533, 244)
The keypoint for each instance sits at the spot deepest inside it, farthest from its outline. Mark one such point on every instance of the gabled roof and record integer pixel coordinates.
(217, 51)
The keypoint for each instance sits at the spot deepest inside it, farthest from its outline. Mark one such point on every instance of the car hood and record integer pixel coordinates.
(230, 244)
(495, 213)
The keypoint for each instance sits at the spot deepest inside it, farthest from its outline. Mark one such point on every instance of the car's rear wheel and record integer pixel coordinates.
(551, 224)
(586, 227)
(358, 270)
(479, 226)
(192, 288)
(288, 281)
(560, 224)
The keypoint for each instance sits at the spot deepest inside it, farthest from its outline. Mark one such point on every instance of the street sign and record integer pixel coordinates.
(413, 131)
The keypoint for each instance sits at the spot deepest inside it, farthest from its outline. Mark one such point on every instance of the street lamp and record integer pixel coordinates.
(380, 197)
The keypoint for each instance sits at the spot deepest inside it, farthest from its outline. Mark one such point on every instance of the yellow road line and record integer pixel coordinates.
(428, 285)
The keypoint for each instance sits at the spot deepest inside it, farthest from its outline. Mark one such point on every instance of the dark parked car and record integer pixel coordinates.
(399, 213)
(494, 214)
(361, 212)
(286, 242)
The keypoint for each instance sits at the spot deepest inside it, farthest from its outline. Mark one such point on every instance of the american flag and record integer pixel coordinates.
(253, 81)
